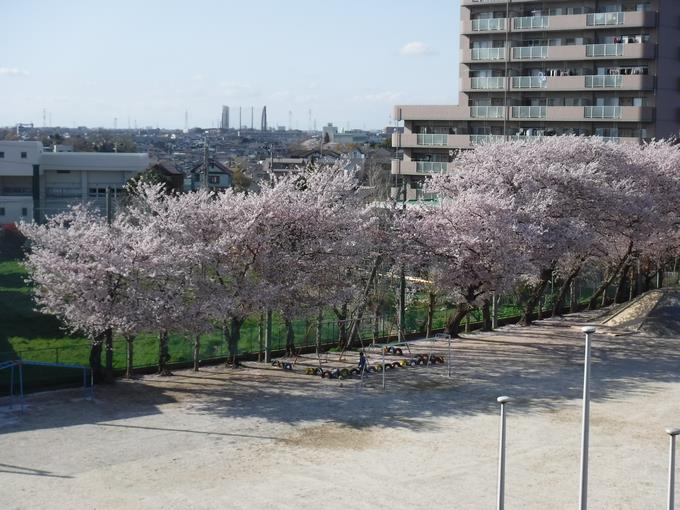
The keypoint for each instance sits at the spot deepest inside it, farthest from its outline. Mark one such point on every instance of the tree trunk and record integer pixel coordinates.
(602, 289)
(319, 320)
(562, 294)
(486, 315)
(620, 296)
(290, 337)
(430, 314)
(347, 341)
(535, 299)
(634, 276)
(163, 354)
(234, 338)
(376, 327)
(455, 318)
(341, 315)
(129, 358)
(108, 335)
(197, 351)
(573, 297)
(96, 360)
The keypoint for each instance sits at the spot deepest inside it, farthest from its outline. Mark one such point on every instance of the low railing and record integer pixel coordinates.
(487, 82)
(528, 112)
(488, 53)
(486, 112)
(63, 192)
(605, 18)
(602, 112)
(482, 139)
(604, 50)
(530, 52)
(481, 25)
(529, 82)
(431, 167)
(432, 139)
(604, 81)
(528, 22)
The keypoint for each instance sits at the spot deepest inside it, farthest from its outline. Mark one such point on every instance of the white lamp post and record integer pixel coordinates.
(501, 455)
(672, 432)
(588, 330)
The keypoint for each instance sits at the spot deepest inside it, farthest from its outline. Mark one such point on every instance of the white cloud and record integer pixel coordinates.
(13, 71)
(417, 49)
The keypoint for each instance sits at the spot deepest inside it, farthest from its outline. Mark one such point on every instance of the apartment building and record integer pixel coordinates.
(35, 183)
(533, 68)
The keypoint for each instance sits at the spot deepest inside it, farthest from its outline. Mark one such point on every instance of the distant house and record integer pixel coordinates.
(219, 177)
(170, 173)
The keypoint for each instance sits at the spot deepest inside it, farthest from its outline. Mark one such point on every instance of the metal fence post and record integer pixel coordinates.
(585, 430)
(501, 455)
(672, 432)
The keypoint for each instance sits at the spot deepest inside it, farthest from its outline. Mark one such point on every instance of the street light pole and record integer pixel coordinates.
(585, 433)
(501, 456)
(672, 432)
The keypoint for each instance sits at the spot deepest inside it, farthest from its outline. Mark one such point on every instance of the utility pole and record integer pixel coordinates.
(206, 165)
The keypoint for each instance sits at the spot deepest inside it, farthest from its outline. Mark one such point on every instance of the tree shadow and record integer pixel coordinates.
(540, 367)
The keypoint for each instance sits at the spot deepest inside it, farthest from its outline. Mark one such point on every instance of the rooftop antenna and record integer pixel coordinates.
(240, 122)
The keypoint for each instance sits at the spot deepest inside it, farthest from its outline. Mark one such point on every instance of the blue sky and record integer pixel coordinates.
(88, 61)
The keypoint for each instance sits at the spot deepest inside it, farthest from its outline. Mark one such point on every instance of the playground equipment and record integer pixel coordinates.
(17, 367)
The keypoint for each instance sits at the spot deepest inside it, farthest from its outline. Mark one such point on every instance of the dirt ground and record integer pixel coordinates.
(259, 438)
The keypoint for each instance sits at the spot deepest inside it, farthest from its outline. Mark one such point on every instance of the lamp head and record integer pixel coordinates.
(588, 329)
(503, 400)
(672, 431)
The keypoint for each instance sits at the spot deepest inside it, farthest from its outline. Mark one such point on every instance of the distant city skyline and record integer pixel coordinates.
(151, 63)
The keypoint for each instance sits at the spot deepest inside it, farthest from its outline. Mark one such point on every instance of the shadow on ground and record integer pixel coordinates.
(541, 367)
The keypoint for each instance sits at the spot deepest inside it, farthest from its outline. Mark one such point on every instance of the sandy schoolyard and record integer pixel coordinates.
(259, 438)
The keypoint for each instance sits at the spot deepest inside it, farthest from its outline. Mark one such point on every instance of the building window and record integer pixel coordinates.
(213, 179)
(63, 171)
(24, 155)
(24, 211)
(2, 211)
(2, 154)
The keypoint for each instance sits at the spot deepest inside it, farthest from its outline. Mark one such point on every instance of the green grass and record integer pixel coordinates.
(31, 335)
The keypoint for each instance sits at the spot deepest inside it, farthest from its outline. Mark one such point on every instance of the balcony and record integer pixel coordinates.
(530, 52)
(487, 112)
(584, 52)
(604, 50)
(602, 112)
(528, 112)
(529, 82)
(530, 23)
(599, 113)
(410, 167)
(487, 83)
(416, 140)
(604, 82)
(487, 25)
(431, 167)
(565, 22)
(483, 139)
(476, 54)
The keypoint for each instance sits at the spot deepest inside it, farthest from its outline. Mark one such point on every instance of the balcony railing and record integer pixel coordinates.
(487, 82)
(605, 18)
(488, 53)
(63, 192)
(529, 82)
(604, 50)
(530, 52)
(602, 112)
(604, 81)
(528, 22)
(480, 25)
(528, 112)
(432, 139)
(482, 139)
(431, 167)
(16, 191)
(486, 112)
